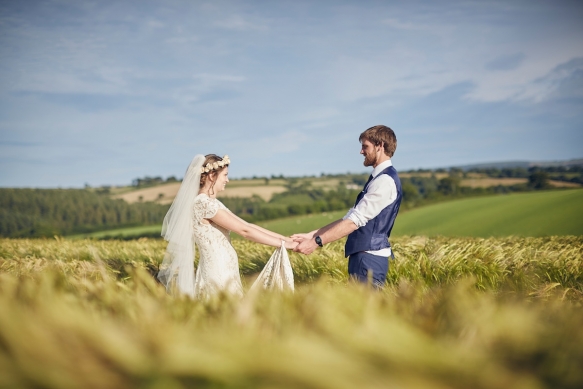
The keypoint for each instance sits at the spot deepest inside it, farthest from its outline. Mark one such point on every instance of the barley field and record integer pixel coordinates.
(455, 313)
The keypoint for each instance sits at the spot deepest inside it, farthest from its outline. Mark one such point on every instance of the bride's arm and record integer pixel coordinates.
(281, 237)
(228, 220)
(264, 230)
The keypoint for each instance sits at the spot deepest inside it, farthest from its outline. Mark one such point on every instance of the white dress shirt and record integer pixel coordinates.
(382, 191)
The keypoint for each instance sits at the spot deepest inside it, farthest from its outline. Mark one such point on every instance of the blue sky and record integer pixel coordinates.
(101, 92)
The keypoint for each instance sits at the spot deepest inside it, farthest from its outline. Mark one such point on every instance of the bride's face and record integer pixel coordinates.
(222, 179)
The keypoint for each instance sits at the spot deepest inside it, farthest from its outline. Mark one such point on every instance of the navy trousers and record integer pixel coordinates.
(360, 264)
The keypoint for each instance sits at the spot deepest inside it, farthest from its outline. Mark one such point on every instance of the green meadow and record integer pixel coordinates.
(305, 223)
(558, 212)
(524, 214)
(121, 232)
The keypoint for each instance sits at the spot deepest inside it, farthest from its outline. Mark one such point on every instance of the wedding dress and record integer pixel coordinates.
(277, 273)
(187, 225)
(218, 267)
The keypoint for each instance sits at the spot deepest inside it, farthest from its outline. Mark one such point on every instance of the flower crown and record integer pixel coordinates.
(215, 165)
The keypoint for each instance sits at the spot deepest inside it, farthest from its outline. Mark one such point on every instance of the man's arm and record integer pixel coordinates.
(381, 192)
(333, 231)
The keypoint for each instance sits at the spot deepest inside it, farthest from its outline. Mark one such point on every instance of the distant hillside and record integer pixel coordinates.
(521, 164)
(48, 212)
(525, 214)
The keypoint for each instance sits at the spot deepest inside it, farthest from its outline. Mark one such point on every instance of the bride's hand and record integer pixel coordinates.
(301, 237)
(290, 245)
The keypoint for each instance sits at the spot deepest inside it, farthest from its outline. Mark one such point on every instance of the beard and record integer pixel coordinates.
(368, 161)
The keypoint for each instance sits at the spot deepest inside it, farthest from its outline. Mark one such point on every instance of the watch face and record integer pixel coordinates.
(319, 241)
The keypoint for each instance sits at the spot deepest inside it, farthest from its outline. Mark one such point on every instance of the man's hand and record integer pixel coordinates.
(306, 246)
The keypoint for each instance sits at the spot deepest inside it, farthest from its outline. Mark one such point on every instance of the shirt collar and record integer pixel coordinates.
(381, 167)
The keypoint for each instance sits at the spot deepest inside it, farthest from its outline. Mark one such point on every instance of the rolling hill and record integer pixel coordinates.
(525, 214)
(522, 214)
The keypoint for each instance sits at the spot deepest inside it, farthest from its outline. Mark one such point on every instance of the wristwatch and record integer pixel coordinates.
(318, 241)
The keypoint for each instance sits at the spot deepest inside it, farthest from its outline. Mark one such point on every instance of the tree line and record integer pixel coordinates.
(48, 212)
(558, 173)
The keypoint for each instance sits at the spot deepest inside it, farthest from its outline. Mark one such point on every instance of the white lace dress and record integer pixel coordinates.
(218, 266)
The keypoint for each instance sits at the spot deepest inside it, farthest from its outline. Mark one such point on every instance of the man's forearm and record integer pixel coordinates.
(336, 230)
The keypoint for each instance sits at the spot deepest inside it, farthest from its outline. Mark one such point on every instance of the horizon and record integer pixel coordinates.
(577, 162)
(102, 93)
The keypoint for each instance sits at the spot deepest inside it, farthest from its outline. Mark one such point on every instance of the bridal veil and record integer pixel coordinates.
(177, 270)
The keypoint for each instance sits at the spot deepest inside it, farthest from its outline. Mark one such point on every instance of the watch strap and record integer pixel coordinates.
(318, 241)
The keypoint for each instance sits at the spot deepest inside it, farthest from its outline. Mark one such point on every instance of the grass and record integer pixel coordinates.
(286, 226)
(456, 313)
(120, 232)
(525, 214)
(305, 223)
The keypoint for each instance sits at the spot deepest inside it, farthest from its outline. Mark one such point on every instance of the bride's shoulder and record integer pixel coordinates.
(204, 199)
(201, 197)
(205, 207)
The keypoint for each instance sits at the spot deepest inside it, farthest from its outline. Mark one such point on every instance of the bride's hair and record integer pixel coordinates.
(211, 158)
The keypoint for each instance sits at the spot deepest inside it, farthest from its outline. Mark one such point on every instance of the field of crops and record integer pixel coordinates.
(456, 313)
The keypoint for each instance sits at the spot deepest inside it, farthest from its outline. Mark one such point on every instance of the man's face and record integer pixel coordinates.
(370, 152)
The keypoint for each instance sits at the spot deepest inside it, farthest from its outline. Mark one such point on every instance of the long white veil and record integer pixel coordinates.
(177, 270)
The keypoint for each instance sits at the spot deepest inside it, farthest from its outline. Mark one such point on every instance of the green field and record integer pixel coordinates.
(524, 214)
(305, 223)
(120, 232)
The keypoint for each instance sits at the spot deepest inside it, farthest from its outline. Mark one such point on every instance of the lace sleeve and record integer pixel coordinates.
(206, 208)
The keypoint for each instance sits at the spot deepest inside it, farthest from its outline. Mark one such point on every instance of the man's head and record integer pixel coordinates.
(378, 142)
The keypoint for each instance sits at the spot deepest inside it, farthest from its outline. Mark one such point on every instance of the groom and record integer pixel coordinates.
(369, 223)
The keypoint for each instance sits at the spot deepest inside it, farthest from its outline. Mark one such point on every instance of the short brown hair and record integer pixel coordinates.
(378, 135)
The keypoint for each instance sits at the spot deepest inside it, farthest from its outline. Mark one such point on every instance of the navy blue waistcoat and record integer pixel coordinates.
(375, 234)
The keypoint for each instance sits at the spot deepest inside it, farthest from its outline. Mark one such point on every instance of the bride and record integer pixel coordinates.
(197, 217)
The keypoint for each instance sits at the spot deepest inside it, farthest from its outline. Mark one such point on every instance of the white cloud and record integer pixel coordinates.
(506, 62)
(565, 80)
(155, 24)
(394, 23)
(237, 22)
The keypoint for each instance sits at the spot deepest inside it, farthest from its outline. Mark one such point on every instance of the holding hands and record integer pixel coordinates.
(290, 244)
(305, 243)
(308, 242)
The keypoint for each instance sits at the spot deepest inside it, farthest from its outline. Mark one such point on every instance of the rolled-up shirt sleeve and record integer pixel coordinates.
(381, 192)
(349, 216)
